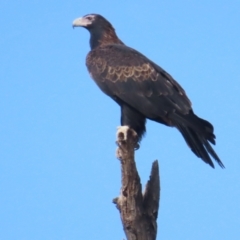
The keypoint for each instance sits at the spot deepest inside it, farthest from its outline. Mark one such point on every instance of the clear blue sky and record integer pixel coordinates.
(58, 171)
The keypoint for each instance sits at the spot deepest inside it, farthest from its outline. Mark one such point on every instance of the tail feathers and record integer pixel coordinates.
(197, 133)
(197, 124)
(213, 154)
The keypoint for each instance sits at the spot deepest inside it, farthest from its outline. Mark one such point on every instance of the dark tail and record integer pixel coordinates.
(197, 133)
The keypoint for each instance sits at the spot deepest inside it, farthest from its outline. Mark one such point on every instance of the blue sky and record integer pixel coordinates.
(58, 171)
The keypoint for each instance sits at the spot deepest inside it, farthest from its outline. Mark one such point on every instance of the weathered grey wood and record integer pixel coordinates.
(138, 210)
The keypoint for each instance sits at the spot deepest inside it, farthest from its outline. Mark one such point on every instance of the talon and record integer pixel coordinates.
(137, 146)
(124, 131)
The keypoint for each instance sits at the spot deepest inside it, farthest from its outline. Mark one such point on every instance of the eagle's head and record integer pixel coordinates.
(92, 22)
(101, 30)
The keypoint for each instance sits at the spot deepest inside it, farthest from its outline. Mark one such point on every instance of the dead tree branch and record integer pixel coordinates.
(138, 210)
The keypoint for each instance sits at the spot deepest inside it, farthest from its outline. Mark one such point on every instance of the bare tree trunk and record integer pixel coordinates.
(138, 210)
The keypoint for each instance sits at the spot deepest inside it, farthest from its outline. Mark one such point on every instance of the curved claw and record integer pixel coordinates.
(137, 146)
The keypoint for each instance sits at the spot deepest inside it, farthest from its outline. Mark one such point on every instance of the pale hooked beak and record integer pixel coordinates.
(80, 22)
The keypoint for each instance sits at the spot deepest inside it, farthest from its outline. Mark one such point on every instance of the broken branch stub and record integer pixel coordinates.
(138, 211)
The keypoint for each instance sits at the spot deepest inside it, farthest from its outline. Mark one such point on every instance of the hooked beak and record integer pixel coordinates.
(79, 22)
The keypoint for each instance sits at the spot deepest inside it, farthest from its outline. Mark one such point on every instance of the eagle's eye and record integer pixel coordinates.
(90, 18)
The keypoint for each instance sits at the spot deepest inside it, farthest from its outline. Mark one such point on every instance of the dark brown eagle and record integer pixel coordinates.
(142, 89)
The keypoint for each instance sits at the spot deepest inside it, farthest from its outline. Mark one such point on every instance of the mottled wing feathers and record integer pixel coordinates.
(123, 73)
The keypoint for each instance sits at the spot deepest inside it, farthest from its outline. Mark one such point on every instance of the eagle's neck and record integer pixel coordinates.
(102, 37)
